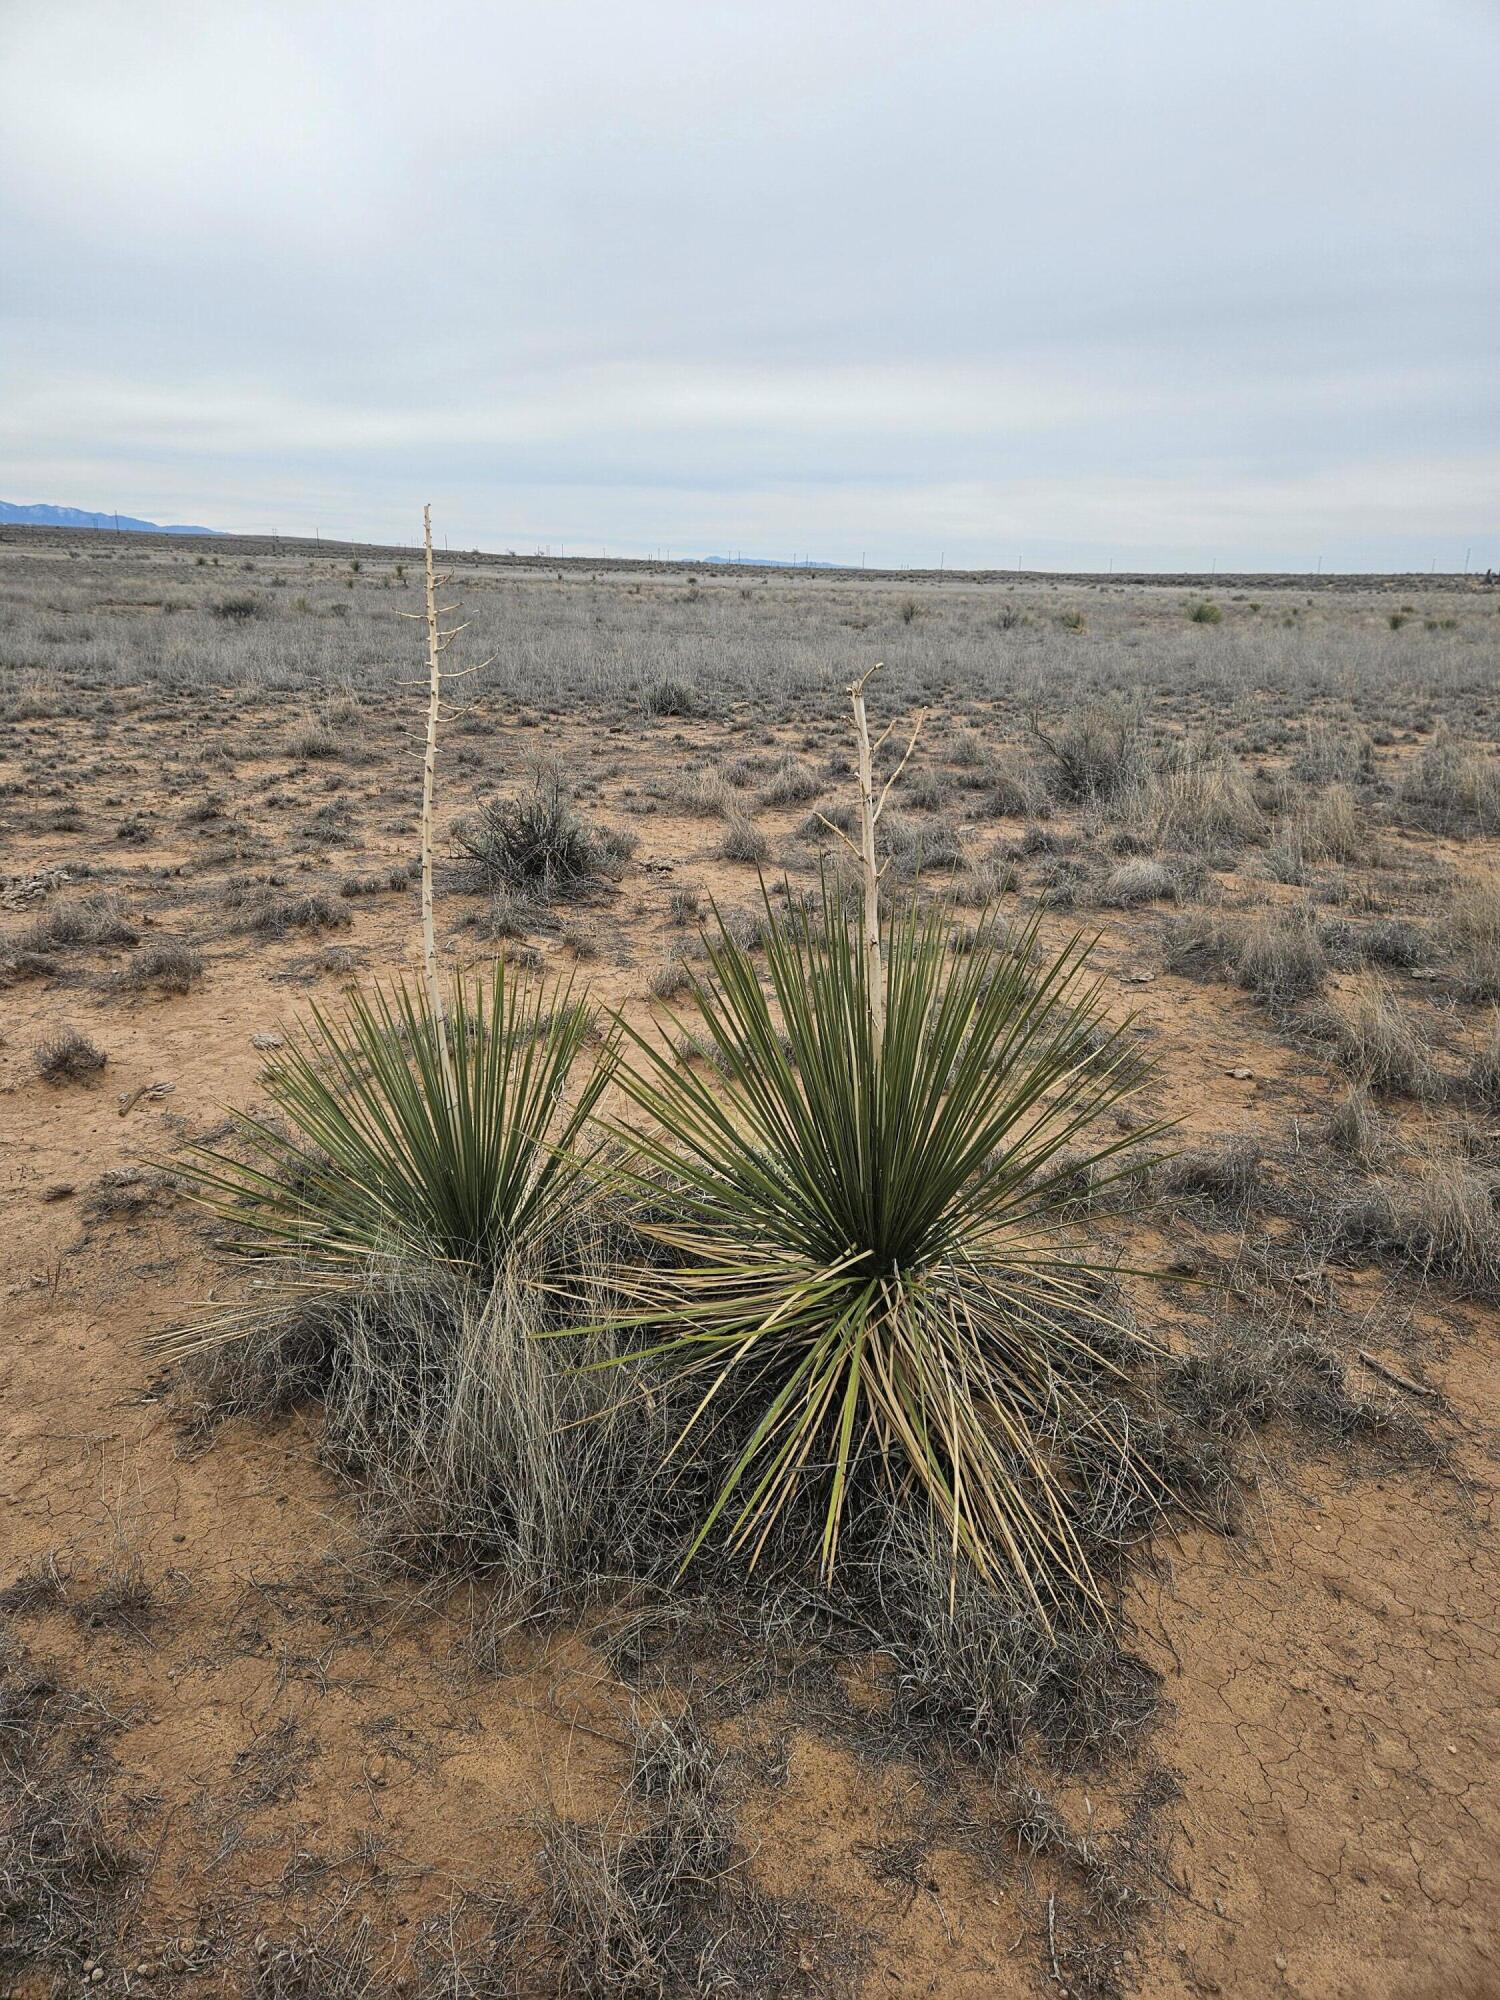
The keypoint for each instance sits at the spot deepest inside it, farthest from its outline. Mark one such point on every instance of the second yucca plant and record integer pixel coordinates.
(864, 1261)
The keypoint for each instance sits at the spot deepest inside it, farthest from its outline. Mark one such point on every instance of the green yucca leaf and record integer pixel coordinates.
(374, 1154)
(866, 1249)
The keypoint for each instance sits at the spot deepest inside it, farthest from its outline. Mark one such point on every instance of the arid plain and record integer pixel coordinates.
(250, 1744)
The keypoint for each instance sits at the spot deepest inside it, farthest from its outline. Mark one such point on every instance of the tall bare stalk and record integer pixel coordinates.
(439, 639)
(870, 810)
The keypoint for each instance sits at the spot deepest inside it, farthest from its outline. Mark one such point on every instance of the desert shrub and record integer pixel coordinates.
(1279, 958)
(1094, 754)
(1207, 613)
(69, 1057)
(1328, 755)
(671, 697)
(1382, 1044)
(1193, 798)
(1017, 788)
(658, 1903)
(744, 841)
(240, 610)
(1472, 923)
(168, 964)
(914, 846)
(414, 1237)
(1454, 785)
(707, 793)
(846, 1261)
(93, 921)
(314, 742)
(1138, 881)
(267, 910)
(1440, 1218)
(537, 842)
(1325, 826)
(1222, 1177)
(509, 913)
(792, 783)
(1356, 1128)
(1483, 1078)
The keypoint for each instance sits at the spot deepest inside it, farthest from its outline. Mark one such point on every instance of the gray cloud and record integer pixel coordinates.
(1055, 280)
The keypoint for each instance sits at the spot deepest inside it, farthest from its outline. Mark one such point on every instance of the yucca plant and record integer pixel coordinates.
(863, 1256)
(407, 1137)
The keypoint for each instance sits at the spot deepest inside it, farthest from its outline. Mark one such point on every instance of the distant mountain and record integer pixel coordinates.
(42, 516)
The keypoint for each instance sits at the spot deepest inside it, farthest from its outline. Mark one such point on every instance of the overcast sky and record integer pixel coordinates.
(1156, 282)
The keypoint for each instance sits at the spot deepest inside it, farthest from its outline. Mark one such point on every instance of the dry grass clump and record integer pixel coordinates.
(1324, 826)
(913, 847)
(744, 841)
(1096, 754)
(1331, 754)
(166, 964)
(984, 883)
(1356, 1127)
(509, 913)
(1221, 1177)
(265, 909)
(314, 742)
(94, 921)
(672, 975)
(63, 1869)
(1381, 1042)
(1248, 1376)
(1194, 798)
(1473, 925)
(658, 1903)
(1275, 954)
(1454, 785)
(1279, 957)
(1138, 880)
(1483, 1078)
(69, 1057)
(793, 782)
(671, 697)
(1439, 1217)
(1017, 789)
(707, 794)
